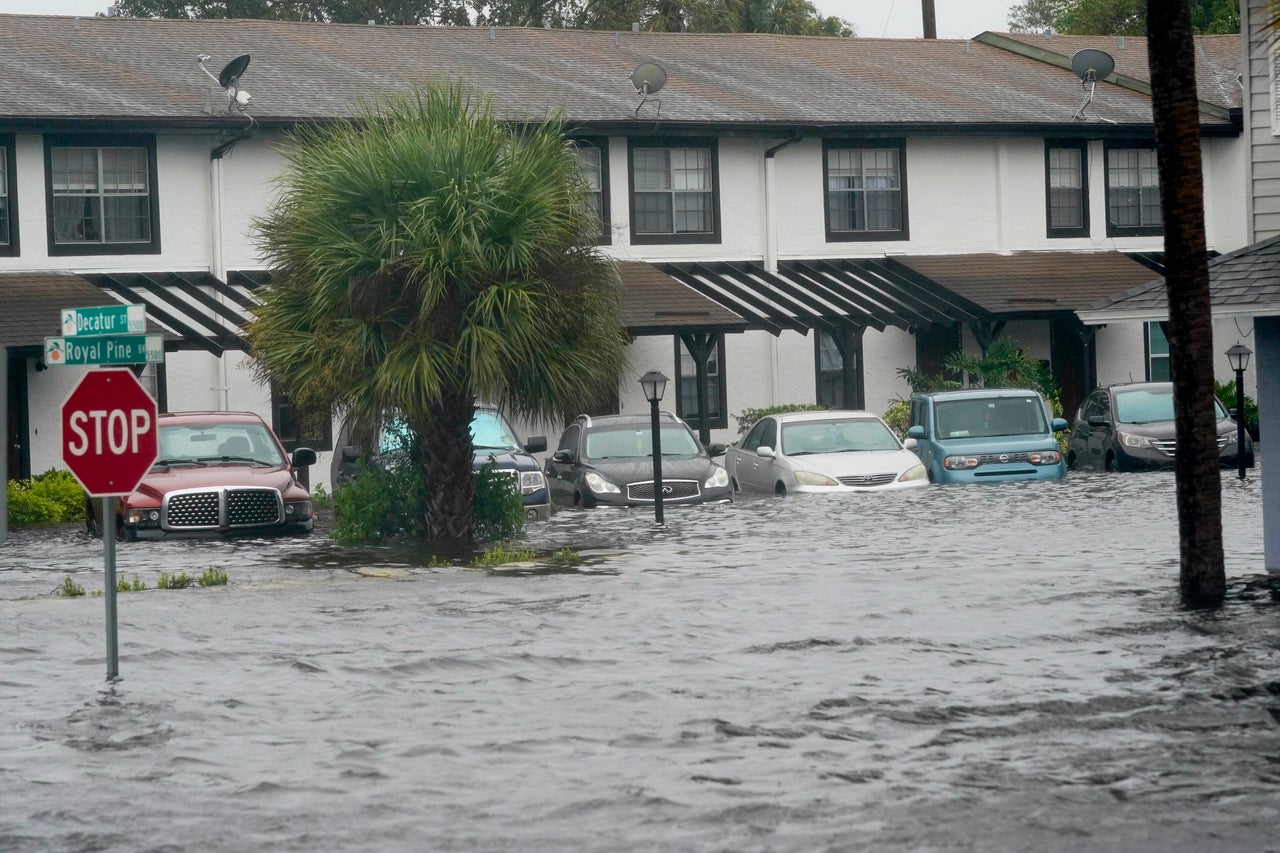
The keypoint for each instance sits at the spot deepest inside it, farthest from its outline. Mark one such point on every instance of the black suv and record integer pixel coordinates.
(608, 460)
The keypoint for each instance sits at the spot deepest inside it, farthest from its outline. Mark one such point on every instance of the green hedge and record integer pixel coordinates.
(53, 497)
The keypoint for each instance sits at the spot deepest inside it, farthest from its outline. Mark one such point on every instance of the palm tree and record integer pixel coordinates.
(1171, 54)
(424, 256)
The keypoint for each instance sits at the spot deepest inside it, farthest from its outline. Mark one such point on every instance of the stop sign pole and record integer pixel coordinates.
(109, 441)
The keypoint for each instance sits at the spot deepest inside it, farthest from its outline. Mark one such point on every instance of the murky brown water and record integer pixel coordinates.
(957, 668)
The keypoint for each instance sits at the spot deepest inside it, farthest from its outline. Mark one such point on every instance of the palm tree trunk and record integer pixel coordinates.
(1171, 54)
(444, 445)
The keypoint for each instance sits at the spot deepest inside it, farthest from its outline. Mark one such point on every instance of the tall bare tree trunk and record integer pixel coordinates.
(1171, 55)
(445, 448)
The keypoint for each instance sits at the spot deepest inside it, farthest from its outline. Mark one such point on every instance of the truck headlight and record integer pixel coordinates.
(297, 510)
(531, 481)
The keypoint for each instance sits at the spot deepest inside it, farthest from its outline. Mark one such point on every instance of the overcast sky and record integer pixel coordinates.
(873, 18)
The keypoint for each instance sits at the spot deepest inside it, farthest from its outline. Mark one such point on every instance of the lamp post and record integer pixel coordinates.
(1238, 357)
(654, 384)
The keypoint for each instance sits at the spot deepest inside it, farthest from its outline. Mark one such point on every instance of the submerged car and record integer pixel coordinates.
(1129, 427)
(608, 460)
(493, 441)
(825, 452)
(986, 435)
(216, 473)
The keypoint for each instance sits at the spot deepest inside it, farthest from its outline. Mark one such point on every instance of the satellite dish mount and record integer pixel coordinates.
(648, 78)
(1090, 66)
(229, 80)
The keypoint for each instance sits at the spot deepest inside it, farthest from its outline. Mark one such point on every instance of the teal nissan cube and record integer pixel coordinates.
(986, 435)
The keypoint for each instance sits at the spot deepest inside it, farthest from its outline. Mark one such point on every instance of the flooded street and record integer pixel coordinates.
(999, 667)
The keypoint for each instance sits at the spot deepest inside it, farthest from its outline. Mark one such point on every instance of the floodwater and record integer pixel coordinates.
(999, 667)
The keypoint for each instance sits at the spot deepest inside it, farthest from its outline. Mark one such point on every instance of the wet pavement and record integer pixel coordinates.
(955, 668)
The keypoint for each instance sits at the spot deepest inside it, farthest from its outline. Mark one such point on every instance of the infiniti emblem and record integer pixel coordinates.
(666, 490)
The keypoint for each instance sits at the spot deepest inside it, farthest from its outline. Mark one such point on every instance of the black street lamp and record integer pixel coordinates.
(654, 384)
(1238, 358)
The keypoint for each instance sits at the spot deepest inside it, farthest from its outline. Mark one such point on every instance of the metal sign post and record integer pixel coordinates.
(109, 590)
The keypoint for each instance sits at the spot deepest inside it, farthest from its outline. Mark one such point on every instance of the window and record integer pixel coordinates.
(687, 386)
(1133, 192)
(674, 195)
(1157, 354)
(8, 199)
(865, 192)
(830, 371)
(763, 434)
(294, 429)
(102, 195)
(1067, 188)
(593, 160)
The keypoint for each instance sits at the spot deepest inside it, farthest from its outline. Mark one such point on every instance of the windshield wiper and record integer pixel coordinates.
(184, 461)
(249, 459)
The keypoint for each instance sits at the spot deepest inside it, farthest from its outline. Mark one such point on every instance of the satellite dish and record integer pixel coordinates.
(230, 75)
(1088, 64)
(648, 78)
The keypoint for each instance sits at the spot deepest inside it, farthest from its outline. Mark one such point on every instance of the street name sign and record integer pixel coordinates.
(104, 349)
(109, 432)
(104, 320)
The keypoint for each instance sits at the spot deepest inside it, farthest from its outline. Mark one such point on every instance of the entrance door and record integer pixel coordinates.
(19, 455)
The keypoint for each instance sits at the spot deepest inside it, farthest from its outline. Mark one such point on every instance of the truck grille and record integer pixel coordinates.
(214, 509)
(672, 490)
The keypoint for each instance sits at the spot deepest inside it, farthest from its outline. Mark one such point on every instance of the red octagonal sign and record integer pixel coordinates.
(109, 433)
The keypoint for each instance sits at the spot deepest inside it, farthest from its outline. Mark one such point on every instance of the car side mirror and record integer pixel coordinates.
(1097, 421)
(350, 453)
(716, 449)
(563, 456)
(303, 456)
(909, 443)
(766, 452)
(1059, 424)
(916, 431)
(535, 444)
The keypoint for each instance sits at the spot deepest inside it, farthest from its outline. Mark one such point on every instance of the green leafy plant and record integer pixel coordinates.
(125, 585)
(179, 581)
(69, 588)
(500, 554)
(53, 497)
(498, 510)
(897, 417)
(565, 557)
(383, 501)
(213, 577)
(321, 499)
(747, 418)
(1226, 392)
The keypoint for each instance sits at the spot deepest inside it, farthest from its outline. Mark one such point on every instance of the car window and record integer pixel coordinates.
(770, 437)
(985, 417)
(569, 440)
(490, 430)
(836, 436)
(753, 439)
(631, 442)
(214, 442)
(1144, 406)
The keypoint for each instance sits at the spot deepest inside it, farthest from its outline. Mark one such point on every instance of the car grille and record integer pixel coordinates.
(868, 480)
(1168, 445)
(1001, 458)
(212, 509)
(672, 490)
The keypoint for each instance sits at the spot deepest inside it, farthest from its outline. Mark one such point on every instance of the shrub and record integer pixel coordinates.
(70, 588)
(380, 502)
(1226, 392)
(53, 497)
(179, 581)
(213, 577)
(747, 417)
(500, 554)
(497, 508)
(897, 417)
(135, 585)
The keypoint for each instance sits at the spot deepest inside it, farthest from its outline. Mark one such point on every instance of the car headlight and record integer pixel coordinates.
(600, 485)
(960, 463)
(1044, 457)
(718, 479)
(813, 478)
(915, 472)
(532, 481)
(1128, 439)
(297, 510)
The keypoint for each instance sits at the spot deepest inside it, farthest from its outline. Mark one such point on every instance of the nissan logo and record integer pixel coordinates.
(1004, 457)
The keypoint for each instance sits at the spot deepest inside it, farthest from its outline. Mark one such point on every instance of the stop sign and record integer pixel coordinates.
(109, 433)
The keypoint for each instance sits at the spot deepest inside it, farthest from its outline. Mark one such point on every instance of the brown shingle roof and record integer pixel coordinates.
(30, 304)
(654, 302)
(129, 68)
(1032, 282)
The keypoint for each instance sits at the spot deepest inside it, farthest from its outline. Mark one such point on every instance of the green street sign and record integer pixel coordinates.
(104, 320)
(104, 349)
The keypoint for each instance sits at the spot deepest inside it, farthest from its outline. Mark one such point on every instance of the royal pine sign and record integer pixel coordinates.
(104, 334)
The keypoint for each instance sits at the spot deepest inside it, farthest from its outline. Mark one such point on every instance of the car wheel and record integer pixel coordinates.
(1071, 460)
(734, 487)
(123, 533)
(779, 488)
(1110, 464)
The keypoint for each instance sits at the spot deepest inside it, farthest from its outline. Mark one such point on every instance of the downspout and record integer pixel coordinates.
(771, 257)
(218, 264)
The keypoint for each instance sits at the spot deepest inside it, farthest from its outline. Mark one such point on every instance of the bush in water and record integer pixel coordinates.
(53, 497)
